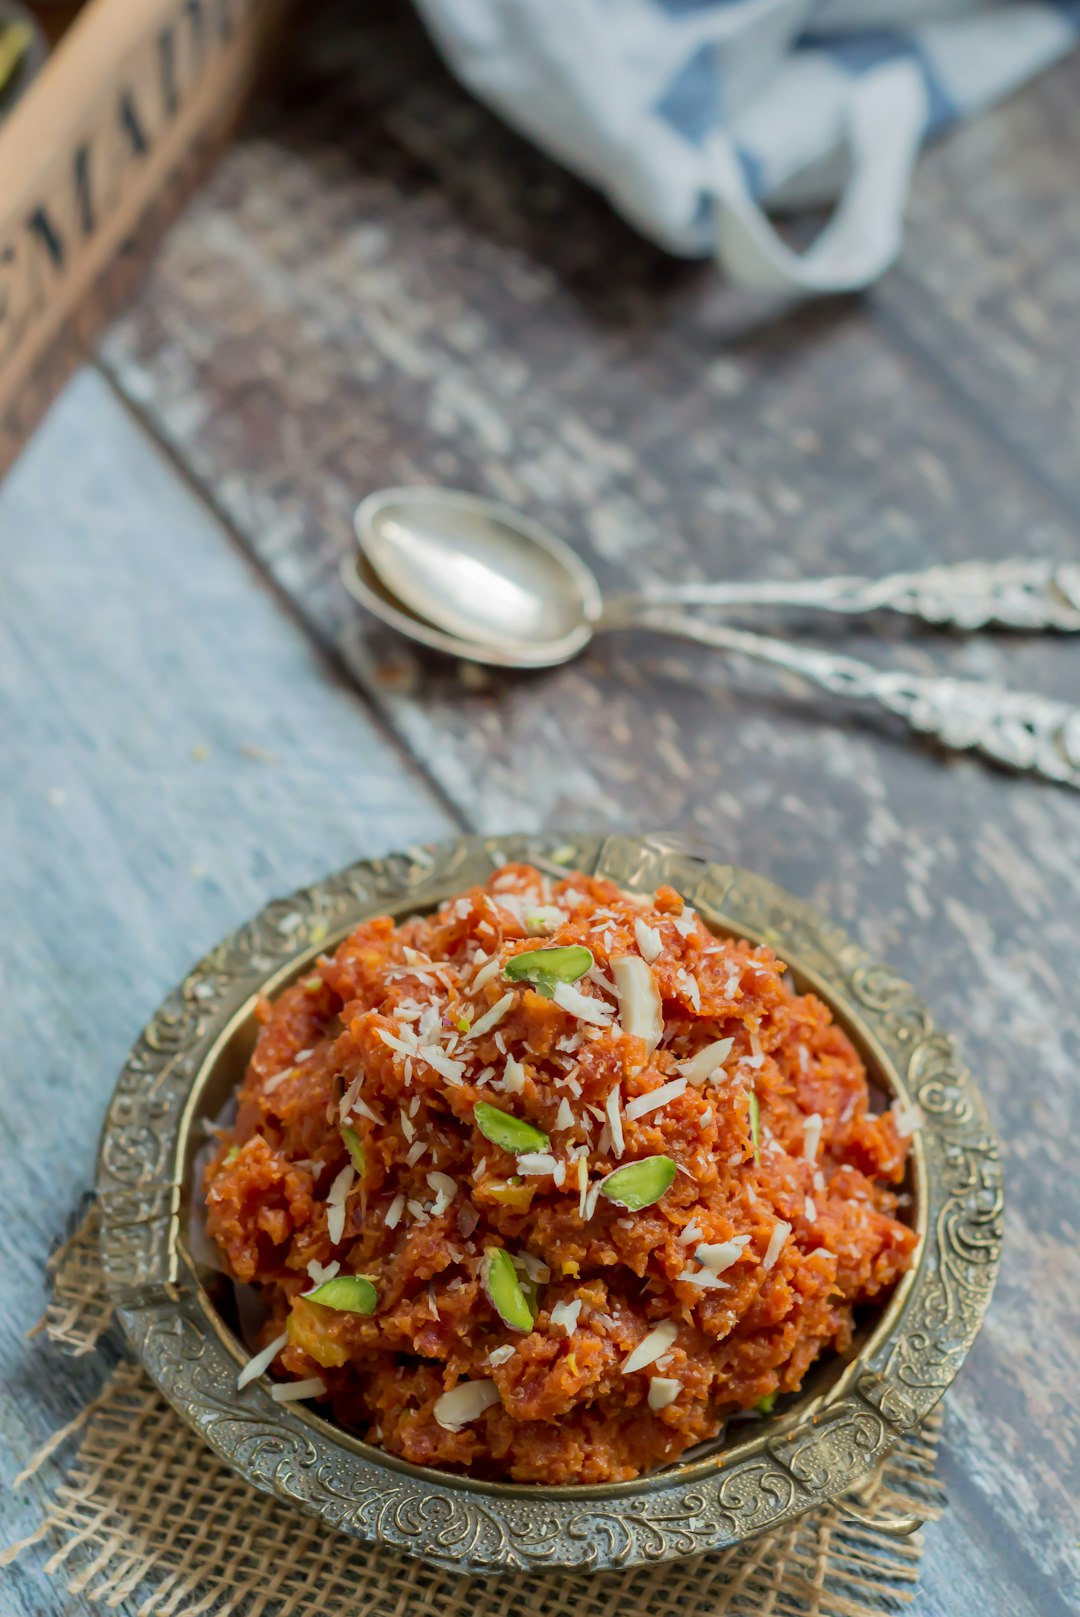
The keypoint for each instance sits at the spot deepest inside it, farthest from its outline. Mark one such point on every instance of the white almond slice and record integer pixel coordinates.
(486, 973)
(500, 1355)
(756, 1058)
(641, 1010)
(536, 1269)
(350, 1097)
(565, 1315)
(776, 1244)
(335, 1222)
(338, 1193)
(262, 1361)
(320, 1273)
(394, 1212)
(693, 1232)
(614, 1121)
(531, 1164)
(704, 1279)
(445, 1190)
(438, 1058)
(543, 919)
(395, 1043)
(720, 1255)
(812, 1136)
(564, 1117)
(690, 987)
(465, 1403)
(491, 1018)
(663, 1390)
(513, 1079)
(649, 941)
(701, 1066)
(655, 1098)
(651, 1347)
(287, 1392)
(593, 1011)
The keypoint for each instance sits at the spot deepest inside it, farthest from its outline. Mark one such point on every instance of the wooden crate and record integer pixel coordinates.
(95, 159)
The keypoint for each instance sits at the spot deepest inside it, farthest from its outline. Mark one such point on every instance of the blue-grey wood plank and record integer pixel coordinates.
(172, 753)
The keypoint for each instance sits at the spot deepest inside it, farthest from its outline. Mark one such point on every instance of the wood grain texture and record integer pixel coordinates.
(174, 754)
(988, 289)
(383, 285)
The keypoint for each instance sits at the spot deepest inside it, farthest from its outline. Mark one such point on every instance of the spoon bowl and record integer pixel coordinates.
(476, 573)
(368, 590)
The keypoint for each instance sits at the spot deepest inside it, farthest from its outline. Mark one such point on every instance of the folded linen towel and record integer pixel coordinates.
(693, 116)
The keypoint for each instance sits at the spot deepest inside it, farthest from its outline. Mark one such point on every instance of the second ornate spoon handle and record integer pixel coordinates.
(1015, 728)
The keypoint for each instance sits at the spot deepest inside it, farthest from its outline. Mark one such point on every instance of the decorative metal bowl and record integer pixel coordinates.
(814, 1449)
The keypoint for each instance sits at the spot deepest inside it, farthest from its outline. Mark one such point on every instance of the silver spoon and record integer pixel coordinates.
(1016, 729)
(484, 573)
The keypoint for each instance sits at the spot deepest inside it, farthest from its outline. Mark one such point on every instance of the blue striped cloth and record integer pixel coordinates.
(693, 116)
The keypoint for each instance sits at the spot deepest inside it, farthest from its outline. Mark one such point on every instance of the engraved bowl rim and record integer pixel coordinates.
(807, 1456)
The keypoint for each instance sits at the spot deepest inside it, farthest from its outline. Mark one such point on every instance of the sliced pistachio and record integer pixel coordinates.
(232, 1153)
(311, 985)
(546, 967)
(530, 1287)
(512, 1133)
(764, 1406)
(349, 1294)
(354, 1146)
(755, 1125)
(504, 1290)
(640, 1183)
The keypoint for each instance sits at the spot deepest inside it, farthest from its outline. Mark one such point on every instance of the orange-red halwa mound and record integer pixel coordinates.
(381, 1038)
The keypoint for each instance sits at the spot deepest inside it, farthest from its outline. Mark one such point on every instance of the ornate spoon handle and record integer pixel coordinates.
(1014, 594)
(1019, 730)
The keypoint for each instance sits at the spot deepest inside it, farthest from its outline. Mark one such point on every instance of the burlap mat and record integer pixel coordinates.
(144, 1513)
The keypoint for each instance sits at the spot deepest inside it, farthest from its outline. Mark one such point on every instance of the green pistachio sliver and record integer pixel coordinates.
(504, 1290)
(349, 1294)
(232, 1153)
(311, 985)
(764, 1406)
(546, 967)
(529, 1287)
(512, 1133)
(355, 1147)
(755, 1125)
(640, 1183)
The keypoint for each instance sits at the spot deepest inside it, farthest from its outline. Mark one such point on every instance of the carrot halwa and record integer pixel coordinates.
(548, 1184)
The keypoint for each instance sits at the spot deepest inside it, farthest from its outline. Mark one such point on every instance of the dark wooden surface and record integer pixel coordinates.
(381, 284)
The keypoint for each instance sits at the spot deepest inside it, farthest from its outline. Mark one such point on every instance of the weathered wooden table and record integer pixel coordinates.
(381, 284)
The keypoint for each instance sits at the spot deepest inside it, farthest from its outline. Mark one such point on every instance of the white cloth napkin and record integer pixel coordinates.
(693, 116)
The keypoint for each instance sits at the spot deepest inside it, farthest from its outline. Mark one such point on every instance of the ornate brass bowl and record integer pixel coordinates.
(815, 1449)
